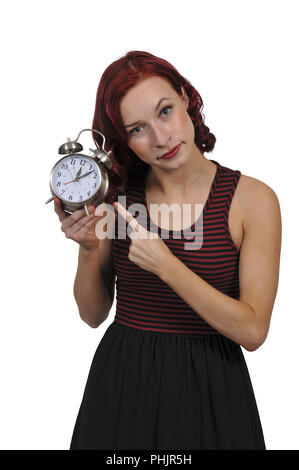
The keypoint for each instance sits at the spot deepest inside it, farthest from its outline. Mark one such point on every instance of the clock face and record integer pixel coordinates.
(64, 181)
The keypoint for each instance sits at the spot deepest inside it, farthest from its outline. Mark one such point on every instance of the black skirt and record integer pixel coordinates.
(150, 390)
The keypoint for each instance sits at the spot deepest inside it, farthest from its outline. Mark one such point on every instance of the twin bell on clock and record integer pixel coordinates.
(78, 179)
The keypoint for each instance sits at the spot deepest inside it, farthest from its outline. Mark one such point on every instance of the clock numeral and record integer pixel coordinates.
(94, 185)
(90, 167)
(65, 166)
(88, 193)
(82, 162)
(71, 198)
(59, 173)
(63, 191)
(95, 176)
(81, 197)
(58, 183)
(73, 161)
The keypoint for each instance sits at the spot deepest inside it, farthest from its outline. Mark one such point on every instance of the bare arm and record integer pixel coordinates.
(90, 291)
(95, 278)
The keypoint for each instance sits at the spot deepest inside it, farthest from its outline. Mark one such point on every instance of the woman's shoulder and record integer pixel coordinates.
(255, 196)
(254, 189)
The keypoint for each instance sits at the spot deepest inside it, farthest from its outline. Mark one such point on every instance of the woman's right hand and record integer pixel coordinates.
(78, 226)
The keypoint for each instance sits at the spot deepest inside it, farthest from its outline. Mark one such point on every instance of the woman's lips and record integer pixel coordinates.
(172, 152)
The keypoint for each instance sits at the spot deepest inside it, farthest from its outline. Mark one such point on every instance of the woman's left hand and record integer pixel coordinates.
(151, 254)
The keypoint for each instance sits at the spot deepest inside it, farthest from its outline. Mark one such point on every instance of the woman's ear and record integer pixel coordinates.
(185, 97)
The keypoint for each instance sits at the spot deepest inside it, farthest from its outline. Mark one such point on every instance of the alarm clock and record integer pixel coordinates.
(78, 179)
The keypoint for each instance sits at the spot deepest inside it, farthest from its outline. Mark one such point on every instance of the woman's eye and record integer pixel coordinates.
(139, 127)
(132, 131)
(166, 107)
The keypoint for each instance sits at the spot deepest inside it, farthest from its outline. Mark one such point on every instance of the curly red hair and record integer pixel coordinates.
(117, 79)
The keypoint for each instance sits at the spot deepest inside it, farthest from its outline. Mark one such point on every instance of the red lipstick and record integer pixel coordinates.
(171, 153)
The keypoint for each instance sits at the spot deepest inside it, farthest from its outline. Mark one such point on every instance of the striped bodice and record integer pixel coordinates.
(146, 302)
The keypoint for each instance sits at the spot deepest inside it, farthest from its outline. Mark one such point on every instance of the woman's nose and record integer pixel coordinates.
(161, 136)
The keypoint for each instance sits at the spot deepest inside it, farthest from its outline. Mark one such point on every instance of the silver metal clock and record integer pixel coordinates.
(78, 179)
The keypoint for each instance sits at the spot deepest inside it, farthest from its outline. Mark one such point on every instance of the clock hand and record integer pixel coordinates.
(78, 173)
(85, 174)
(77, 176)
(71, 181)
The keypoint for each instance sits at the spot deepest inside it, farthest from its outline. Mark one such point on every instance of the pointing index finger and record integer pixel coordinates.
(129, 218)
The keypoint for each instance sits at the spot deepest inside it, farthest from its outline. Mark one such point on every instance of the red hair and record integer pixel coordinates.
(115, 82)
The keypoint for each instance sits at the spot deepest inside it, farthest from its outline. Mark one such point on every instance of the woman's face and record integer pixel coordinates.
(156, 125)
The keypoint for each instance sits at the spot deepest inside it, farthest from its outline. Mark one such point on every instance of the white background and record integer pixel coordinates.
(241, 56)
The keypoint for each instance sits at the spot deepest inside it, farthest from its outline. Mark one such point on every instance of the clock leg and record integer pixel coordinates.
(86, 210)
(49, 200)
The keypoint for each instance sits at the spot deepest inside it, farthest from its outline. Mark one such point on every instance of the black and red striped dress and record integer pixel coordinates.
(162, 377)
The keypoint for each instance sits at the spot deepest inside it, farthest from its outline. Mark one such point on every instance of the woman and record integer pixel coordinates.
(169, 372)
